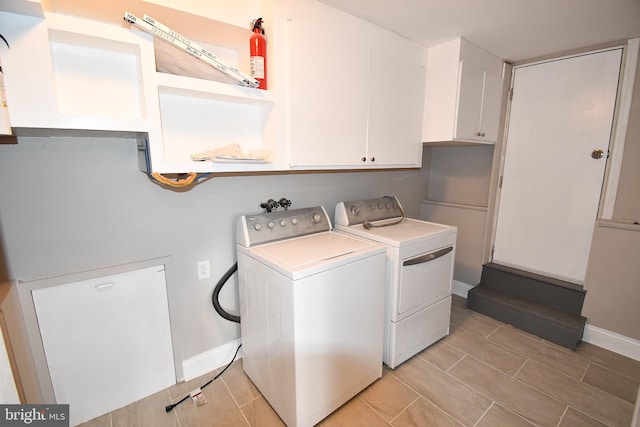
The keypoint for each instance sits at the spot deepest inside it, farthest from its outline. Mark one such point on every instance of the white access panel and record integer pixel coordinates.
(107, 340)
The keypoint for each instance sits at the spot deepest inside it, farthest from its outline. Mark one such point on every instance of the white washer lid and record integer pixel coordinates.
(312, 254)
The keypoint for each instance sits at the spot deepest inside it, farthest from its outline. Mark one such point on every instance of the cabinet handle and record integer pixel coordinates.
(104, 286)
(373, 159)
(364, 159)
(480, 134)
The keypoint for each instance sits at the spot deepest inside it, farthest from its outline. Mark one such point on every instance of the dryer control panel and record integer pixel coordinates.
(360, 211)
(267, 227)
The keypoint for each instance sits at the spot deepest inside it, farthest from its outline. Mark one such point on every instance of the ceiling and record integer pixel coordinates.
(514, 30)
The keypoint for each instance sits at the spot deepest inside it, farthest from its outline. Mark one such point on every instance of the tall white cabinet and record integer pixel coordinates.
(464, 94)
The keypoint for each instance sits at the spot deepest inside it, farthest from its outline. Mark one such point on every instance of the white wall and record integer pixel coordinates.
(76, 204)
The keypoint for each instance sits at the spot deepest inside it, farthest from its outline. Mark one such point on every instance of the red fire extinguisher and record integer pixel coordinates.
(258, 52)
(5, 126)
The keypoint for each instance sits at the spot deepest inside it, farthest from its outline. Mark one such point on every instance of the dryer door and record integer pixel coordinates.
(424, 280)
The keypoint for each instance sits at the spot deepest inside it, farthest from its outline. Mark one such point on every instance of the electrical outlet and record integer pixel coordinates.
(204, 269)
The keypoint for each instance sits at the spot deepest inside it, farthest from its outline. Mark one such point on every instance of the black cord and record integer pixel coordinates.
(216, 293)
(170, 407)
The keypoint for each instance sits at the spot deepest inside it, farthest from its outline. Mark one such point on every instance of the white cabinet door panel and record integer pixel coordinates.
(491, 103)
(479, 101)
(328, 88)
(107, 341)
(395, 111)
(469, 102)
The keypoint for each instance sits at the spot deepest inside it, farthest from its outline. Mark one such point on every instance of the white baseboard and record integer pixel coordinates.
(210, 360)
(461, 289)
(611, 341)
(592, 334)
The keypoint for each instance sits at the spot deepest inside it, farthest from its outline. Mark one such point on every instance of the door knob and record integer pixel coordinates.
(597, 154)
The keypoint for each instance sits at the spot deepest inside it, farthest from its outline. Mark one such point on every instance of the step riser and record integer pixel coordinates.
(565, 335)
(533, 288)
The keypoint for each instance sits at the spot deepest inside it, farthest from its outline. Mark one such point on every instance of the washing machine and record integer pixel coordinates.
(419, 272)
(311, 309)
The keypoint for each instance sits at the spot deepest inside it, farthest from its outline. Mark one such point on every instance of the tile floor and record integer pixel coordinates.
(485, 373)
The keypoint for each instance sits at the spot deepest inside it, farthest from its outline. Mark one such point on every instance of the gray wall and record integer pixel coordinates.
(76, 204)
(613, 284)
(627, 207)
(613, 277)
(458, 194)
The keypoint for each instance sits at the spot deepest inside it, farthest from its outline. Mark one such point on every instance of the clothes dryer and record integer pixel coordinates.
(419, 272)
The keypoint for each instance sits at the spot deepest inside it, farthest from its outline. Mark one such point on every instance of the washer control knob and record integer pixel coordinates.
(257, 227)
(294, 221)
(283, 223)
(372, 207)
(388, 205)
(355, 210)
(380, 206)
(270, 224)
(315, 218)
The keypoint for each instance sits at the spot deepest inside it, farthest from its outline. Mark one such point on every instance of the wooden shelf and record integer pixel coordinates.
(8, 139)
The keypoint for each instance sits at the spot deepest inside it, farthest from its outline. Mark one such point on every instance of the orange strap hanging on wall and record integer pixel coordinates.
(177, 183)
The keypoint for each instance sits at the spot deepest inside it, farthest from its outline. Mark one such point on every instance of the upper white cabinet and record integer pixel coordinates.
(355, 92)
(464, 94)
(343, 93)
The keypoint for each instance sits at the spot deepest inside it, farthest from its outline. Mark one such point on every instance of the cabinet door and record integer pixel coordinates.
(396, 108)
(470, 86)
(491, 103)
(328, 86)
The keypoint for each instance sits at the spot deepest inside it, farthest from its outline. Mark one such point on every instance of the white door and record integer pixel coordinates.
(562, 111)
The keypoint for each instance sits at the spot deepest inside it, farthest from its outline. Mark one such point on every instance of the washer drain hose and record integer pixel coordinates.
(216, 294)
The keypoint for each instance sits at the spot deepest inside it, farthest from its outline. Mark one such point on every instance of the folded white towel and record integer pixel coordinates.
(230, 152)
